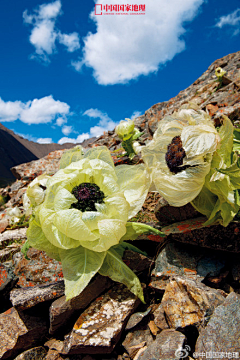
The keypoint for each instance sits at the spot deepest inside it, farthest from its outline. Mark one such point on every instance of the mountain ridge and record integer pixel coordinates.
(15, 150)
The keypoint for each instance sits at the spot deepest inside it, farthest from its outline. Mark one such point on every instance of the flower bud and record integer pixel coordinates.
(125, 129)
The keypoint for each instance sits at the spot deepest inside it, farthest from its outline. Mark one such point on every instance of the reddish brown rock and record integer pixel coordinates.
(216, 237)
(167, 214)
(19, 332)
(48, 164)
(99, 328)
(39, 269)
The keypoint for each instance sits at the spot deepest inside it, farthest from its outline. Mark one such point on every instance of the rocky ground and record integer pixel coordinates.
(191, 279)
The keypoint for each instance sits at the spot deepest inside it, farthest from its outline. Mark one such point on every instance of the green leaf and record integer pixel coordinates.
(136, 229)
(233, 171)
(226, 134)
(120, 248)
(79, 266)
(72, 155)
(24, 249)
(115, 268)
(236, 140)
(205, 201)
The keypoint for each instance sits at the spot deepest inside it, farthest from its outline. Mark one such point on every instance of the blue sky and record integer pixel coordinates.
(68, 74)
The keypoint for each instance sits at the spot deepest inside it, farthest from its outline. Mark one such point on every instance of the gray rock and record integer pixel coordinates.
(185, 260)
(160, 318)
(167, 344)
(222, 332)
(7, 281)
(25, 298)
(187, 302)
(62, 310)
(19, 332)
(9, 251)
(99, 327)
(137, 318)
(9, 235)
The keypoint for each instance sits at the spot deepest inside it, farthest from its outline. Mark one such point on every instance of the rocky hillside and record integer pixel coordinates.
(15, 150)
(191, 277)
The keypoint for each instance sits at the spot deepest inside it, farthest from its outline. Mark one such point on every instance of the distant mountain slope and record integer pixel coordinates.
(15, 150)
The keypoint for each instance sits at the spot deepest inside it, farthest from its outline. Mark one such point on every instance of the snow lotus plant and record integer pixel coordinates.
(190, 161)
(83, 219)
(127, 132)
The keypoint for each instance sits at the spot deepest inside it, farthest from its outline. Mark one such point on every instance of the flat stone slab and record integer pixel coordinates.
(165, 346)
(99, 327)
(9, 235)
(37, 353)
(216, 237)
(221, 334)
(25, 298)
(61, 310)
(19, 332)
(187, 302)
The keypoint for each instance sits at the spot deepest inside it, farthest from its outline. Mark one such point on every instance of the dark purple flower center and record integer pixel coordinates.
(87, 194)
(175, 155)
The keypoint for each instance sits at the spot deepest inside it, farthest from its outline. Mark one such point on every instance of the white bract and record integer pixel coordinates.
(179, 156)
(125, 129)
(219, 72)
(88, 241)
(14, 214)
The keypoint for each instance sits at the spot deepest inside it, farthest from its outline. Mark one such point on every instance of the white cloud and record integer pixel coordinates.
(232, 19)
(60, 121)
(67, 130)
(104, 123)
(44, 33)
(136, 114)
(37, 111)
(125, 47)
(71, 41)
(10, 110)
(78, 140)
(43, 38)
(44, 140)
